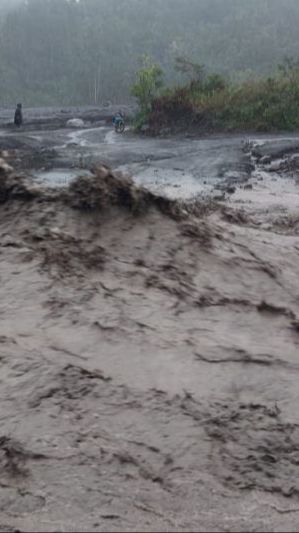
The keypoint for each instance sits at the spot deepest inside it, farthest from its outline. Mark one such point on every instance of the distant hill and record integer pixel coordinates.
(87, 51)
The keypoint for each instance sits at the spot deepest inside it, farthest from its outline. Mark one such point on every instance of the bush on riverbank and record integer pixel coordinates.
(213, 104)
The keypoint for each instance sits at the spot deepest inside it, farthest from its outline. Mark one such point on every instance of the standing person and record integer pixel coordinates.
(19, 116)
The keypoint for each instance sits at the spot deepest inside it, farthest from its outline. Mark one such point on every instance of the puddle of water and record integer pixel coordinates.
(59, 177)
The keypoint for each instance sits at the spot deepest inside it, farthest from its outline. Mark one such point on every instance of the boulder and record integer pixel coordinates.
(75, 123)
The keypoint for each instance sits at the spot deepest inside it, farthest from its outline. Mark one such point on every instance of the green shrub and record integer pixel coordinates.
(269, 104)
(148, 84)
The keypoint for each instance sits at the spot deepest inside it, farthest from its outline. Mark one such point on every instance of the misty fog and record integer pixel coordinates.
(64, 51)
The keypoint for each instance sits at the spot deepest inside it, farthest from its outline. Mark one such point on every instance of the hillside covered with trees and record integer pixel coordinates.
(88, 51)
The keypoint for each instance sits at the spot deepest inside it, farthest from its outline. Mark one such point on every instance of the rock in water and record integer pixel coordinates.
(75, 123)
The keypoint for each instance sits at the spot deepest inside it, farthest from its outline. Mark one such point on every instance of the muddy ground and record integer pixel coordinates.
(148, 347)
(179, 167)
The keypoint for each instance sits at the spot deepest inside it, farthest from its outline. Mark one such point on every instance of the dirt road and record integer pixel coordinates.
(181, 167)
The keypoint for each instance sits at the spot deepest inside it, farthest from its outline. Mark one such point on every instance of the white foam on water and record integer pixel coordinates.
(59, 177)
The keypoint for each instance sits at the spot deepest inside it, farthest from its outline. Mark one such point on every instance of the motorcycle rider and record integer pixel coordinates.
(118, 117)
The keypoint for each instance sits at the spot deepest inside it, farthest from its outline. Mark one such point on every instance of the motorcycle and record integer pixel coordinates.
(119, 124)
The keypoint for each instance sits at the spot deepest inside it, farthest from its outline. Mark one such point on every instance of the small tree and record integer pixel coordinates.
(147, 85)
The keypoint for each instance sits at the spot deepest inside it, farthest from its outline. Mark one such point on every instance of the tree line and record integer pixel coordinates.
(87, 51)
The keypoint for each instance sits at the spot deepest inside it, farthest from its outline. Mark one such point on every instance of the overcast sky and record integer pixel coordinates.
(9, 3)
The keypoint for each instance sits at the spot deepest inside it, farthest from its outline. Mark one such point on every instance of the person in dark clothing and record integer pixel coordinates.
(19, 116)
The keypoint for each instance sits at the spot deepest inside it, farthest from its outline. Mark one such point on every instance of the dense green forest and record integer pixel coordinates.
(88, 51)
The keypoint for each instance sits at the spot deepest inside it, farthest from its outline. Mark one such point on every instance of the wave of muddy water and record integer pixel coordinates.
(149, 358)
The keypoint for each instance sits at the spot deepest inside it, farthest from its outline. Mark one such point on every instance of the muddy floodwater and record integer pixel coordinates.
(149, 342)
